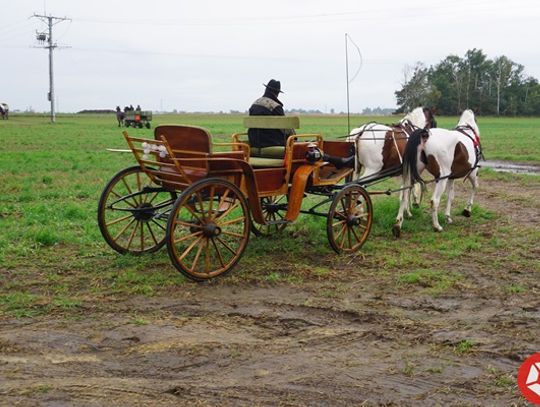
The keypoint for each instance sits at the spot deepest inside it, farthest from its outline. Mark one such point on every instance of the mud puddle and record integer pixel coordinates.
(509, 166)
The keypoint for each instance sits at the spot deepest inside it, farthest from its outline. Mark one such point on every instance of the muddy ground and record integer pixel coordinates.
(360, 340)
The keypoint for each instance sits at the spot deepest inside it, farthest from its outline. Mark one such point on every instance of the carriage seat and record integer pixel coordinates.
(273, 156)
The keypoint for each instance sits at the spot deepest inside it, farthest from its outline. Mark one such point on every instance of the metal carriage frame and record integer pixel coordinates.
(203, 204)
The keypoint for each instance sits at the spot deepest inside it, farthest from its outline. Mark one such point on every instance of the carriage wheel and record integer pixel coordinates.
(133, 212)
(274, 208)
(349, 219)
(208, 229)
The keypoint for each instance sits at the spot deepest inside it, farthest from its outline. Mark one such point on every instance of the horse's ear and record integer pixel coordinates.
(476, 111)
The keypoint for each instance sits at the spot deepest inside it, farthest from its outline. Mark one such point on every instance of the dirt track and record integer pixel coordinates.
(354, 341)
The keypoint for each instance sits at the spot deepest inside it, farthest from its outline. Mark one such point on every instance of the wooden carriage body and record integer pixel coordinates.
(219, 191)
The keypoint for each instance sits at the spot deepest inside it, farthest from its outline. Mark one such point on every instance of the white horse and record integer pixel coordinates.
(447, 155)
(380, 148)
(4, 111)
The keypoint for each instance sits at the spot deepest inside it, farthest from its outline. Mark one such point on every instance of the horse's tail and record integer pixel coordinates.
(414, 146)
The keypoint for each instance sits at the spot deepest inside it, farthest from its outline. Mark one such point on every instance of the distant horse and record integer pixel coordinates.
(120, 116)
(447, 155)
(4, 111)
(379, 148)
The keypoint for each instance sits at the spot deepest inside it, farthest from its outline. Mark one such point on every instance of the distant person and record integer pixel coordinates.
(138, 108)
(131, 108)
(269, 105)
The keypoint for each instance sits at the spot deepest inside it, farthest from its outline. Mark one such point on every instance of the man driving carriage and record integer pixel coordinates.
(270, 105)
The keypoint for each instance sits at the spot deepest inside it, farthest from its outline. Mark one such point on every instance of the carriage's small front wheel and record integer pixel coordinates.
(133, 212)
(208, 229)
(274, 209)
(349, 219)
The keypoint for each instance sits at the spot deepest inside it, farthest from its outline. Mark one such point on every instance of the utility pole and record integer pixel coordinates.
(48, 38)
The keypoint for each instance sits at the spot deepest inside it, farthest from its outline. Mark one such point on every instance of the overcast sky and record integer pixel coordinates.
(214, 55)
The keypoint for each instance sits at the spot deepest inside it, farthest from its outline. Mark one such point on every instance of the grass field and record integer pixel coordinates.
(52, 175)
(434, 317)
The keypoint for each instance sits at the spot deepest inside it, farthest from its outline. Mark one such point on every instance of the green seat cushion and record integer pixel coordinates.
(268, 152)
(260, 162)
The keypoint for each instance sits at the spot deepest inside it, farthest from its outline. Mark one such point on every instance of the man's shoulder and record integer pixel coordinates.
(266, 102)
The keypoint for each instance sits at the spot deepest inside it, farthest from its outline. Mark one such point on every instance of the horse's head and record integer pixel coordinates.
(467, 119)
(419, 118)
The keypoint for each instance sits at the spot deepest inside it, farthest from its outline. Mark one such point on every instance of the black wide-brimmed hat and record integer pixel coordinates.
(274, 85)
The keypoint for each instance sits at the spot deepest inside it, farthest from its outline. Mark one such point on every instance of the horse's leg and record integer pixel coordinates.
(404, 197)
(435, 201)
(450, 198)
(473, 178)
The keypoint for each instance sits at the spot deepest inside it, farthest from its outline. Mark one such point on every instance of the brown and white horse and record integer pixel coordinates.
(4, 111)
(379, 147)
(447, 155)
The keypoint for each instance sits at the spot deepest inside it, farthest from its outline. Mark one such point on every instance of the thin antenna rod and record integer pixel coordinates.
(347, 78)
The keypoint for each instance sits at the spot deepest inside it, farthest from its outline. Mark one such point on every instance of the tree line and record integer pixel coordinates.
(496, 86)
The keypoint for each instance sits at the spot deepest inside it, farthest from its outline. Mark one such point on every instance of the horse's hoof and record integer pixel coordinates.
(466, 213)
(449, 219)
(396, 231)
(437, 228)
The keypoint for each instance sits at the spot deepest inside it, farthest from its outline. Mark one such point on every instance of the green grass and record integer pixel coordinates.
(54, 258)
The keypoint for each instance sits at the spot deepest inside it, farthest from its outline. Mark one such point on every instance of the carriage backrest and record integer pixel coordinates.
(189, 138)
(272, 122)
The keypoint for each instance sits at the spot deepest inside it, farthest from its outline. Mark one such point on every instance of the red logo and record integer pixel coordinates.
(529, 378)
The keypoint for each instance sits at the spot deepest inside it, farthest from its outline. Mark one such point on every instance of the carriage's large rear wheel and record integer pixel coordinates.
(349, 219)
(208, 229)
(133, 212)
(274, 209)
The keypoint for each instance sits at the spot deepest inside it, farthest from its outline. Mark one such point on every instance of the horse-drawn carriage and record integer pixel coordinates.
(204, 203)
(138, 119)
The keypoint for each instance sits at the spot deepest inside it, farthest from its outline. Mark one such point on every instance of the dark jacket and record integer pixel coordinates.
(267, 105)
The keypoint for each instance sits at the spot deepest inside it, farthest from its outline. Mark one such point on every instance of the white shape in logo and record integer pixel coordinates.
(532, 378)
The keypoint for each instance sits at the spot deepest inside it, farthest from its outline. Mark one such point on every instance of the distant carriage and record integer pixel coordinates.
(4, 111)
(139, 119)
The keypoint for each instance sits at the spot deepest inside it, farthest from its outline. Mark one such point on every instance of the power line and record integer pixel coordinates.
(45, 37)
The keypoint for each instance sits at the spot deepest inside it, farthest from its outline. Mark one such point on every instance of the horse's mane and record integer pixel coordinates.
(467, 119)
(416, 117)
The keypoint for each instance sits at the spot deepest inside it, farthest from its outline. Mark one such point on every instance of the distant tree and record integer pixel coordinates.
(496, 86)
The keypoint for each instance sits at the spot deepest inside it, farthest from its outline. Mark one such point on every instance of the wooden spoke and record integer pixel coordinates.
(160, 226)
(152, 234)
(210, 201)
(132, 235)
(220, 257)
(232, 234)
(226, 245)
(125, 200)
(188, 224)
(183, 238)
(232, 221)
(114, 222)
(197, 255)
(124, 229)
(190, 247)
